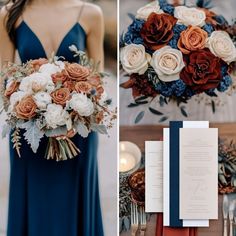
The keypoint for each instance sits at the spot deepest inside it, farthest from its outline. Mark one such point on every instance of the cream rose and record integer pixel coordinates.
(81, 104)
(145, 11)
(42, 99)
(134, 59)
(56, 116)
(190, 16)
(15, 98)
(167, 62)
(222, 46)
(37, 82)
(50, 68)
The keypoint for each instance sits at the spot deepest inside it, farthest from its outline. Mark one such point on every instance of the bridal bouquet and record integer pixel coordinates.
(56, 99)
(176, 52)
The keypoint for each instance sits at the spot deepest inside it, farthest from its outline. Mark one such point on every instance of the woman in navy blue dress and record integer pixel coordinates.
(49, 198)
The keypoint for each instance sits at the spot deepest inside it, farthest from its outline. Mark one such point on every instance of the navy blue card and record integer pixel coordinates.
(174, 173)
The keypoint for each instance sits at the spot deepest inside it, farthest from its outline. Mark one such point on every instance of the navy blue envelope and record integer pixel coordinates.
(174, 173)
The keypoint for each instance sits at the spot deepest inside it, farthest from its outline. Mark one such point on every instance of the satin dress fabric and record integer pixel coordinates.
(49, 198)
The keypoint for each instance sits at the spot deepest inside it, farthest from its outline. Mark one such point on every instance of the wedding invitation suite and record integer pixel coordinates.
(198, 173)
(154, 176)
(171, 176)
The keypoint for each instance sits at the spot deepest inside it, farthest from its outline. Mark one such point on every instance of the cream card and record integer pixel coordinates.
(154, 176)
(198, 173)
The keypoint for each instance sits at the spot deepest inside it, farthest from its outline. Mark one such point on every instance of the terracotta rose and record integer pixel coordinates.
(38, 62)
(26, 108)
(61, 96)
(192, 39)
(83, 87)
(76, 71)
(12, 88)
(202, 71)
(157, 31)
(70, 84)
(60, 77)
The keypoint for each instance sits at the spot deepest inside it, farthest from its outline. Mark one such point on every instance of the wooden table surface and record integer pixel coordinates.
(140, 134)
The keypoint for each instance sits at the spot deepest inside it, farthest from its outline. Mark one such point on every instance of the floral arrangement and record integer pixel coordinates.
(227, 167)
(55, 99)
(174, 52)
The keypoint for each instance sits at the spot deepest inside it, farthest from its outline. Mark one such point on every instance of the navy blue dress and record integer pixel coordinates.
(49, 198)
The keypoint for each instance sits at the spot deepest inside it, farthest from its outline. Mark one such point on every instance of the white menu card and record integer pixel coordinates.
(154, 176)
(198, 173)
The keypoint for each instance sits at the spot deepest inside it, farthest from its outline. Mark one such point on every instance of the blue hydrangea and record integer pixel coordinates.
(178, 87)
(167, 8)
(189, 92)
(208, 28)
(225, 83)
(133, 33)
(177, 29)
(211, 92)
(224, 70)
(173, 43)
(164, 89)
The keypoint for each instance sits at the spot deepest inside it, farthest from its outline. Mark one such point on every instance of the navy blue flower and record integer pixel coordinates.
(177, 29)
(133, 33)
(208, 28)
(211, 92)
(189, 92)
(173, 43)
(178, 87)
(225, 83)
(224, 70)
(221, 20)
(164, 89)
(167, 8)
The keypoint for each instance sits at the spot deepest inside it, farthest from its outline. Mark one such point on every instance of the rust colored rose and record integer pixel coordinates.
(26, 108)
(60, 77)
(61, 96)
(158, 30)
(192, 39)
(77, 72)
(94, 80)
(12, 88)
(38, 62)
(70, 85)
(83, 87)
(202, 71)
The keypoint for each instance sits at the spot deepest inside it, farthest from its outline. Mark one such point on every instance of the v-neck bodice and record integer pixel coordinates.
(30, 47)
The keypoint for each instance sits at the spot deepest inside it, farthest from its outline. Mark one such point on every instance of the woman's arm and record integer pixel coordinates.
(6, 46)
(95, 34)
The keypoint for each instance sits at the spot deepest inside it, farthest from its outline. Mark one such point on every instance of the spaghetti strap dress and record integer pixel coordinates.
(49, 198)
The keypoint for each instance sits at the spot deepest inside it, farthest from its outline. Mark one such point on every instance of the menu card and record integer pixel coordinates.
(154, 176)
(198, 173)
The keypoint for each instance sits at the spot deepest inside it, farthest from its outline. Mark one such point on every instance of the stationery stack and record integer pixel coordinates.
(181, 174)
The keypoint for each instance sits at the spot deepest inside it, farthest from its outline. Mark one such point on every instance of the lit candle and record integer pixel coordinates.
(130, 157)
(127, 162)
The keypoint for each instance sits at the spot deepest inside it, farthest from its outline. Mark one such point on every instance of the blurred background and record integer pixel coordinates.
(196, 111)
(107, 159)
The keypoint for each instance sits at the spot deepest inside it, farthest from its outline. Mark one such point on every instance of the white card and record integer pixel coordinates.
(166, 183)
(154, 176)
(199, 173)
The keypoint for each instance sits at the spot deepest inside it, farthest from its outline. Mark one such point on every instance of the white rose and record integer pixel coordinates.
(42, 99)
(134, 59)
(37, 82)
(50, 68)
(145, 11)
(56, 116)
(190, 16)
(167, 62)
(15, 98)
(82, 104)
(60, 64)
(222, 46)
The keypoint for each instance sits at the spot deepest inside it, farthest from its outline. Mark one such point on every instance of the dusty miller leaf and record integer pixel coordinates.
(33, 135)
(56, 132)
(82, 129)
(99, 128)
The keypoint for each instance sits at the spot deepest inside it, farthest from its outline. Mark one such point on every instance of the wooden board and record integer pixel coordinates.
(139, 134)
